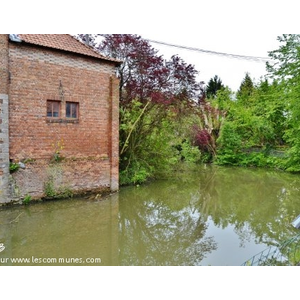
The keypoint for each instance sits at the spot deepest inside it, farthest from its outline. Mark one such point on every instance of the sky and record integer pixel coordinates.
(231, 26)
(230, 70)
(229, 56)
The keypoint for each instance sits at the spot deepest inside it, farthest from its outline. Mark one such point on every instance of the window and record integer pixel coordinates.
(53, 109)
(72, 110)
(62, 112)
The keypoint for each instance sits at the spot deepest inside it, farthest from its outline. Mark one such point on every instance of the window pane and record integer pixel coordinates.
(68, 110)
(49, 109)
(53, 108)
(72, 110)
(56, 106)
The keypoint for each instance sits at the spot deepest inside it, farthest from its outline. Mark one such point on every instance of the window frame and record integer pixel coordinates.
(52, 102)
(72, 103)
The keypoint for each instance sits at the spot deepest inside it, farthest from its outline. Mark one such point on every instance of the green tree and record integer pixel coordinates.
(229, 145)
(284, 65)
(258, 127)
(214, 85)
(285, 69)
(270, 105)
(246, 89)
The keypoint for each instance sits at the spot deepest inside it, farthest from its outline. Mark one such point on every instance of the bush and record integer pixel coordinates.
(229, 146)
(189, 153)
(135, 174)
(152, 143)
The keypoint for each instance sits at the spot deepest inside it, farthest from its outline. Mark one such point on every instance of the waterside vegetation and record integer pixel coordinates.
(167, 117)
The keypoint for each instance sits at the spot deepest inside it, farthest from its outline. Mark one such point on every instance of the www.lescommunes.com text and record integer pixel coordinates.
(51, 260)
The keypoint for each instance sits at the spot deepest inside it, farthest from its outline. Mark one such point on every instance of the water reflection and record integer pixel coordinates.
(258, 202)
(211, 213)
(159, 227)
(209, 216)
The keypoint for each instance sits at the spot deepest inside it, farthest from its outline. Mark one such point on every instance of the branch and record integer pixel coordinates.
(136, 121)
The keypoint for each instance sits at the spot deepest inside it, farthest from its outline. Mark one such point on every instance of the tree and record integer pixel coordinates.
(284, 65)
(285, 69)
(246, 88)
(146, 76)
(153, 94)
(214, 85)
(142, 73)
(253, 126)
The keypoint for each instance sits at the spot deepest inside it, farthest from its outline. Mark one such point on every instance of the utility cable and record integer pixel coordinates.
(230, 55)
(210, 52)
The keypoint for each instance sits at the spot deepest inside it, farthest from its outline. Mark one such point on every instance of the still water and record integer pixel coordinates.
(210, 216)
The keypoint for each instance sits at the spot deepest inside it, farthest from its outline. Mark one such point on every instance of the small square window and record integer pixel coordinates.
(72, 110)
(53, 109)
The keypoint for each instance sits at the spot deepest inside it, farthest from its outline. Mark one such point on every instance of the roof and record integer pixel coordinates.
(64, 42)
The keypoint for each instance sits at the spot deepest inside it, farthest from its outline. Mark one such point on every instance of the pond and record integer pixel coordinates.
(213, 216)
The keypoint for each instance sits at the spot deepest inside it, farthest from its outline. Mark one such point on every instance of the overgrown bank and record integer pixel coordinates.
(167, 117)
(265, 115)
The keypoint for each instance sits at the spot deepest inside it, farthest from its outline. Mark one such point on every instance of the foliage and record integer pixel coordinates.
(167, 117)
(152, 148)
(13, 167)
(214, 85)
(284, 69)
(145, 75)
(27, 199)
(49, 188)
(211, 115)
(201, 139)
(155, 94)
(58, 146)
(52, 192)
(255, 120)
(65, 192)
(190, 153)
(285, 60)
(246, 88)
(229, 145)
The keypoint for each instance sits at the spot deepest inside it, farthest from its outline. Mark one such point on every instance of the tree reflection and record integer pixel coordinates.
(165, 223)
(257, 202)
(153, 231)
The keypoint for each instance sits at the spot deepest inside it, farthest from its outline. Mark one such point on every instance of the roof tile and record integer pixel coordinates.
(63, 42)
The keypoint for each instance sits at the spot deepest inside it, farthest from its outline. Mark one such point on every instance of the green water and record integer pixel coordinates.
(212, 216)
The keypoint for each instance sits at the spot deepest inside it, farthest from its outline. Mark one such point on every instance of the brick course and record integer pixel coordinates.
(88, 146)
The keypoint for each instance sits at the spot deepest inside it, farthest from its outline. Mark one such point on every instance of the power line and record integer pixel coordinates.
(229, 55)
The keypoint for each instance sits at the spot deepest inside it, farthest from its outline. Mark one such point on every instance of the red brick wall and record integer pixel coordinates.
(38, 75)
(114, 134)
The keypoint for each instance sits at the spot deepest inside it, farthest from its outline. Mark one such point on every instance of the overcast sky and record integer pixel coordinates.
(230, 70)
(231, 26)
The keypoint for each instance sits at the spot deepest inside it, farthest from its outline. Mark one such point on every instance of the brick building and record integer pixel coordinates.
(59, 117)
